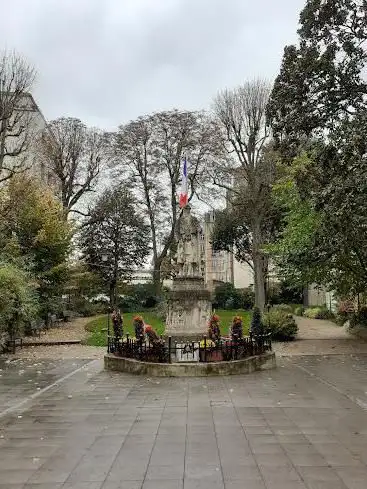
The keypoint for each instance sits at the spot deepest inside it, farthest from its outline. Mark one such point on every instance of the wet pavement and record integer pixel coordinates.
(21, 378)
(301, 426)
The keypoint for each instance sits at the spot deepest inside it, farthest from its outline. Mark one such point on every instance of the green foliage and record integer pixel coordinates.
(128, 303)
(300, 226)
(284, 307)
(143, 294)
(228, 297)
(116, 231)
(247, 298)
(322, 89)
(285, 292)
(318, 313)
(359, 318)
(98, 327)
(35, 236)
(18, 301)
(82, 282)
(231, 233)
(345, 311)
(299, 311)
(321, 80)
(257, 326)
(85, 308)
(280, 324)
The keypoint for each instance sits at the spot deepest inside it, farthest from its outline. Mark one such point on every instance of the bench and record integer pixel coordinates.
(67, 316)
(13, 343)
(36, 327)
(53, 321)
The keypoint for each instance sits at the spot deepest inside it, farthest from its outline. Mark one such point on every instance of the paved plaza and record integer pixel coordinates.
(301, 426)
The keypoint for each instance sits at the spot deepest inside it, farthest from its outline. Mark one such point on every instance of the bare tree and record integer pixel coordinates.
(149, 155)
(247, 175)
(16, 79)
(75, 155)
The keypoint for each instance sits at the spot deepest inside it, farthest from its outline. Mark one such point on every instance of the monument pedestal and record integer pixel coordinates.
(189, 309)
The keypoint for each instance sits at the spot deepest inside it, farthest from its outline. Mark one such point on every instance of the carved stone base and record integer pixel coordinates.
(189, 309)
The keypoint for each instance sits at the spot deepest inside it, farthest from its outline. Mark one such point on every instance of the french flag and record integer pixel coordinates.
(184, 188)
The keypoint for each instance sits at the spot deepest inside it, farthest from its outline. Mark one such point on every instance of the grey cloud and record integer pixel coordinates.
(110, 61)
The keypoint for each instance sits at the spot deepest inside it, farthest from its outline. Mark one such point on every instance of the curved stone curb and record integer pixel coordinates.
(51, 343)
(237, 367)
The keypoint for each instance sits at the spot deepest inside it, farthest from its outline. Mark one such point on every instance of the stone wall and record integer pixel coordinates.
(237, 367)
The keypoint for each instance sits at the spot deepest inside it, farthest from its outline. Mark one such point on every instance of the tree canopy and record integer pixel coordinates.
(115, 239)
(317, 112)
(35, 236)
(321, 81)
(149, 153)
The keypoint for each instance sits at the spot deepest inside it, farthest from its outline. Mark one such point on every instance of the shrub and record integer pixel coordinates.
(248, 299)
(18, 302)
(284, 307)
(359, 318)
(85, 308)
(280, 324)
(299, 311)
(257, 326)
(128, 304)
(284, 292)
(340, 320)
(318, 313)
(228, 297)
(345, 312)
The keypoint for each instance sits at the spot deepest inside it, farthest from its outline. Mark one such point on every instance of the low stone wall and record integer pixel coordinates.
(237, 367)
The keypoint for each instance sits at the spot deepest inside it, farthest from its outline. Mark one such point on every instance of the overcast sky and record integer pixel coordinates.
(109, 61)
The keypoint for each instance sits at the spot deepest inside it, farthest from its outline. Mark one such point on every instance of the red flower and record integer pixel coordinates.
(214, 319)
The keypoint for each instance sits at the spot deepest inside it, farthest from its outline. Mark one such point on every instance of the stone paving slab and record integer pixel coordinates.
(20, 378)
(297, 427)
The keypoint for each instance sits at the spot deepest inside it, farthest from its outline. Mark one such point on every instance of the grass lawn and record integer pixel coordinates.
(98, 326)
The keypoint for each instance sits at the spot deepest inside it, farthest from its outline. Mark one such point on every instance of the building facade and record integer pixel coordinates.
(29, 124)
(221, 266)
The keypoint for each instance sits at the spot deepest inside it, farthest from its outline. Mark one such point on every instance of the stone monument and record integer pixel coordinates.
(190, 302)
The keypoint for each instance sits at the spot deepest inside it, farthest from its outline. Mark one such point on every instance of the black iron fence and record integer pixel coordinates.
(167, 350)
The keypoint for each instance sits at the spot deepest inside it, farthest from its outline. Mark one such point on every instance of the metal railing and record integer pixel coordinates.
(168, 351)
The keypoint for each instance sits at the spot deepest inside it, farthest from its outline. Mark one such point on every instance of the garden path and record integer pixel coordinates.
(70, 331)
(319, 337)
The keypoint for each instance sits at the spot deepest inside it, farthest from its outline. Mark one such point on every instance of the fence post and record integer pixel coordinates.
(169, 348)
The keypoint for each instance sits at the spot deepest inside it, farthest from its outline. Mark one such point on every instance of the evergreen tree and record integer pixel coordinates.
(257, 327)
(115, 239)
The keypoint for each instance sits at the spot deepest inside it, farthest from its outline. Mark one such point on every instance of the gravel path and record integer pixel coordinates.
(72, 331)
(318, 337)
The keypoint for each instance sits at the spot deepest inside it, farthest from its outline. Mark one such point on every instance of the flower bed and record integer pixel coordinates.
(164, 350)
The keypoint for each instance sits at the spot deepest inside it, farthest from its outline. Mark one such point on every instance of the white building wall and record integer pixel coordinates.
(243, 276)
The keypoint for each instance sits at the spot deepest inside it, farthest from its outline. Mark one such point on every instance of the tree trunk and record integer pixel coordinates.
(113, 284)
(157, 285)
(113, 294)
(258, 261)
